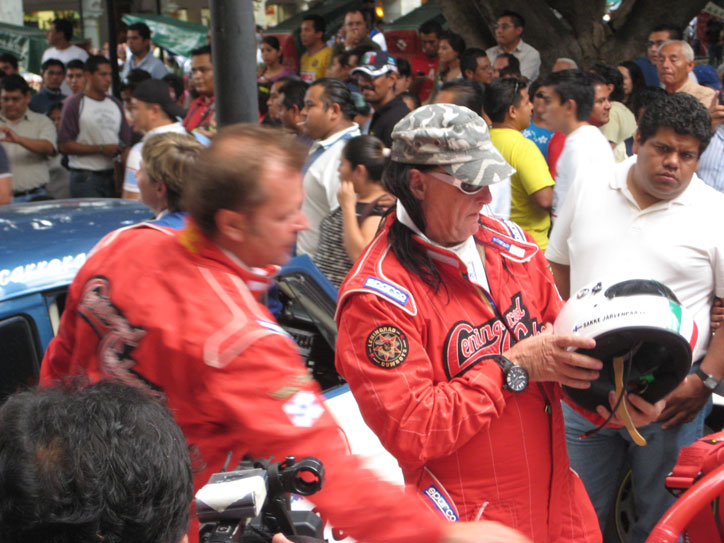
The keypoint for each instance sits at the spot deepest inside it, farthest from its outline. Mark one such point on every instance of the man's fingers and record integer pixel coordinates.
(577, 342)
(577, 360)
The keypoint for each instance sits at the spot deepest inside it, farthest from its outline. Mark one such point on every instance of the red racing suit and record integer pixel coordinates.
(171, 312)
(418, 362)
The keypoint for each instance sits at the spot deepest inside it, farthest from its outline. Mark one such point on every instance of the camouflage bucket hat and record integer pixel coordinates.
(452, 137)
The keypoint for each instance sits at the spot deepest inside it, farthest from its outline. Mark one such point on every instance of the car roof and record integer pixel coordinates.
(43, 244)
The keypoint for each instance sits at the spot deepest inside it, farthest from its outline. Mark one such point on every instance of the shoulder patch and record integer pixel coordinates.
(386, 289)
(303, 409)
(387, 347)
(515, 231)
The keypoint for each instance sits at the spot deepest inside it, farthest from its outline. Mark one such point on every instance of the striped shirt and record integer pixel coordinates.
(711, 161)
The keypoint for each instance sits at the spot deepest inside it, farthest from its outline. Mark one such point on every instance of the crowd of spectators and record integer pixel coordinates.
(596, 134)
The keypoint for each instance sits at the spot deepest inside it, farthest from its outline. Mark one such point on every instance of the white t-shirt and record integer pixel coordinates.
(99, 123)
(586, 156)
(133, 161)
(602, 234)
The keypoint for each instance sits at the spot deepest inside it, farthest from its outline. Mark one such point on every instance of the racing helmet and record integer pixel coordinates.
(639, 319)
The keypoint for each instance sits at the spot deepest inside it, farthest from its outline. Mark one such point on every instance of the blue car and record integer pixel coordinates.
(44, 244)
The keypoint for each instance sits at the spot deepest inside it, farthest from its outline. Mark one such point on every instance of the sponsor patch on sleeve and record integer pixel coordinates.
(387, 347)
(386, 289)
(303, 409)
(512, 249)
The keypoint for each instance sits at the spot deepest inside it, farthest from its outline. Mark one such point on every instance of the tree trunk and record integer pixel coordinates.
(562, 28)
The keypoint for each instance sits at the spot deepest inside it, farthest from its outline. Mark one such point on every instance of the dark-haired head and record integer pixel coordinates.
(336, 92)
(102, 462)
(500, 96)
(367, 151)
(679, 112)
(93, 62)
(612, 76)
(573, 85)
(468, 93)
(456, 41)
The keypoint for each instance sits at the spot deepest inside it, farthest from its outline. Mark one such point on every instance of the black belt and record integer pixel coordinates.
(36, 190)
(102, 172)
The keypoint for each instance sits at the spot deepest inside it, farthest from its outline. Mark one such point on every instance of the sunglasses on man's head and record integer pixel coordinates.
(462, 186)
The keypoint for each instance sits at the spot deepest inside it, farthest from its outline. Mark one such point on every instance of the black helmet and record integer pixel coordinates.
(639, 319)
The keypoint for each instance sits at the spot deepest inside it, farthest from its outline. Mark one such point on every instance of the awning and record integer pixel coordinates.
(414, 19)
(25, 43)
(179, 37)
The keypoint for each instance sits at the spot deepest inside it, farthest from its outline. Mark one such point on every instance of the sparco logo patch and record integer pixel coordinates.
(386, 289)
(467, 344)
(440, 503)
(387, 347)
(118, 337)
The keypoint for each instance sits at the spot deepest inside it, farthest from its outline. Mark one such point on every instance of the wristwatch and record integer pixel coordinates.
(516, 377)
(709, 381)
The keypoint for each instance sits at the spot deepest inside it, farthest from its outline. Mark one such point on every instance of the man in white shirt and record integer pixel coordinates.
(59, 35)
(93, 132)
(587, 155)
(152, 112)
(652, 218)
(138, 40)
(328, 113)
(508, 31)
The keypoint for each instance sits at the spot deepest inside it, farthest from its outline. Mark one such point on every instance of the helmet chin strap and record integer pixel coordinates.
(621, 371)
(622, 409)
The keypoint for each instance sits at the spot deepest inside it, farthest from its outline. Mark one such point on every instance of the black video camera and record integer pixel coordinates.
(251, 503)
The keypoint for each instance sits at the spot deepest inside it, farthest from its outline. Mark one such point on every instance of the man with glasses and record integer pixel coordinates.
(658, 35)
(508, 31)
(441, 338)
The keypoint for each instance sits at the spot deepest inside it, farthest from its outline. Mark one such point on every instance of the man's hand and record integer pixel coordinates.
(8, 134)
(717, 314)
(547, 358)
(684, 402)
(486, 531)
(716, 111)
(641, 411)
(110, 150)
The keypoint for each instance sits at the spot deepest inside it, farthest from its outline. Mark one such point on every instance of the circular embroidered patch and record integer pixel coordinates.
(387, 347)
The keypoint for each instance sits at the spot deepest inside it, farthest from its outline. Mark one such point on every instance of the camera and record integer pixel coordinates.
(251, 503)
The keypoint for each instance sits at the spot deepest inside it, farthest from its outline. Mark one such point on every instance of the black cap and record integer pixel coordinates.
(157, 91)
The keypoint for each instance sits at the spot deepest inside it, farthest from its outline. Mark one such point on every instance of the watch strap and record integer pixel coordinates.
(709, 381)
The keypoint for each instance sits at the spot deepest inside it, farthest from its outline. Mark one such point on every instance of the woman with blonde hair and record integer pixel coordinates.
(166, 165)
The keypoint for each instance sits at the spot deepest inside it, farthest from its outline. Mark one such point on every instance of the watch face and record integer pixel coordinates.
(517, 379)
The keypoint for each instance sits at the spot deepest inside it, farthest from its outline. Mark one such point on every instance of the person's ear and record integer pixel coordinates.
(637, 142)
(232, 225)
(417, 184)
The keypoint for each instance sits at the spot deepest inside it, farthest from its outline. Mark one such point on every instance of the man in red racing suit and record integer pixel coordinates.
(177, 313)
(439, 406)
(423, 319)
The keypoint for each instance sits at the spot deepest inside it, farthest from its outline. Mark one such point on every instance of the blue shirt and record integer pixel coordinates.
(43, 100)
(540, 136)
(651, 74)
(149, 63)
(711, 161)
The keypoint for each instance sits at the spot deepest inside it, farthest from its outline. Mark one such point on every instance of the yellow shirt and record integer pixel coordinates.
(531, 175)
(314, 66)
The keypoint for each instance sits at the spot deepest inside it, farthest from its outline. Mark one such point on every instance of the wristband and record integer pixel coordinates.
(101, 146)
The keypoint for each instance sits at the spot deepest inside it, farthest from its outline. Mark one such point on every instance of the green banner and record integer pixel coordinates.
(25, 43)
(179, 37)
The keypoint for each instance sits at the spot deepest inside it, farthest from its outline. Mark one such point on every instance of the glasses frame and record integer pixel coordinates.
(462, 186)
